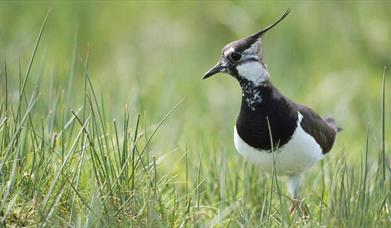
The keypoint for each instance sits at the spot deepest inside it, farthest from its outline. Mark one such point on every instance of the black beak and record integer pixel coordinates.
(214, 70)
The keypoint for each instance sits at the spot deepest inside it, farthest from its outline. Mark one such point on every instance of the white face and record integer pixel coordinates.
(253, 71)
(250, 66)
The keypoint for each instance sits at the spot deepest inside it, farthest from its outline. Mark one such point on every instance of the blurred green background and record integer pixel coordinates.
(328, 55)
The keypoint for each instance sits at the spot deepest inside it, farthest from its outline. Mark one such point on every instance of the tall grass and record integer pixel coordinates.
(79, 168)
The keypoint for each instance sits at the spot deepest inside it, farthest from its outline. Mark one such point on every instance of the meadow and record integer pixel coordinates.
(105, 121)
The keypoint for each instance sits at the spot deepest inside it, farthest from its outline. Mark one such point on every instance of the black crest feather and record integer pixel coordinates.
(263, 31)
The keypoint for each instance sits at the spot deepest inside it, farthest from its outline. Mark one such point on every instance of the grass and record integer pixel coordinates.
(79, 167)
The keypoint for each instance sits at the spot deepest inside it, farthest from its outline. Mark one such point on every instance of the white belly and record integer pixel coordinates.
(296, 156)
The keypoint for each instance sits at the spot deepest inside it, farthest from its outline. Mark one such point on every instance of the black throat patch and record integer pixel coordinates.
(251, 93)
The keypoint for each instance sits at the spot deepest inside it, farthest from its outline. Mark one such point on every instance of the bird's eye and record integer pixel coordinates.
(234, 56)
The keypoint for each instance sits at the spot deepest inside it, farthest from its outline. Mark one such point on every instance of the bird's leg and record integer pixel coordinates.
(293, 184)
(295, 206)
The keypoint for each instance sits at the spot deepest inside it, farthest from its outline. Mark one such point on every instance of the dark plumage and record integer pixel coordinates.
(252, 125)
(267, 119)
(281, 112)
(323, 131)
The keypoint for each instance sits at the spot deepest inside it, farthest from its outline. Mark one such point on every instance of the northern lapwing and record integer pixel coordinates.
(269, 121)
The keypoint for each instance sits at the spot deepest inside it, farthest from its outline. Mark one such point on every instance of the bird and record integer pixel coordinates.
(268, 121)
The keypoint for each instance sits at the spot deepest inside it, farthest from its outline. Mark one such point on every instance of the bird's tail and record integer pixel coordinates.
(331, 122)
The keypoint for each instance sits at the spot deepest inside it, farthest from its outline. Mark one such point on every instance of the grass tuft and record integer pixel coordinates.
(67, 166)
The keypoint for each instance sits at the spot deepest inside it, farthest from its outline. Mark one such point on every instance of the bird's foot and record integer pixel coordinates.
(300, 207)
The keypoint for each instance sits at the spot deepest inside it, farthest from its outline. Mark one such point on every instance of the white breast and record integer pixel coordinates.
(296, 156)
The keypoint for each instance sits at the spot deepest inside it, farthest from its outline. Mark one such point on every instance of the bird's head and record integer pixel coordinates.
(243, 58)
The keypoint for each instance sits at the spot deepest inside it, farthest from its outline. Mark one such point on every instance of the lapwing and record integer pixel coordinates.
(268, 121)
